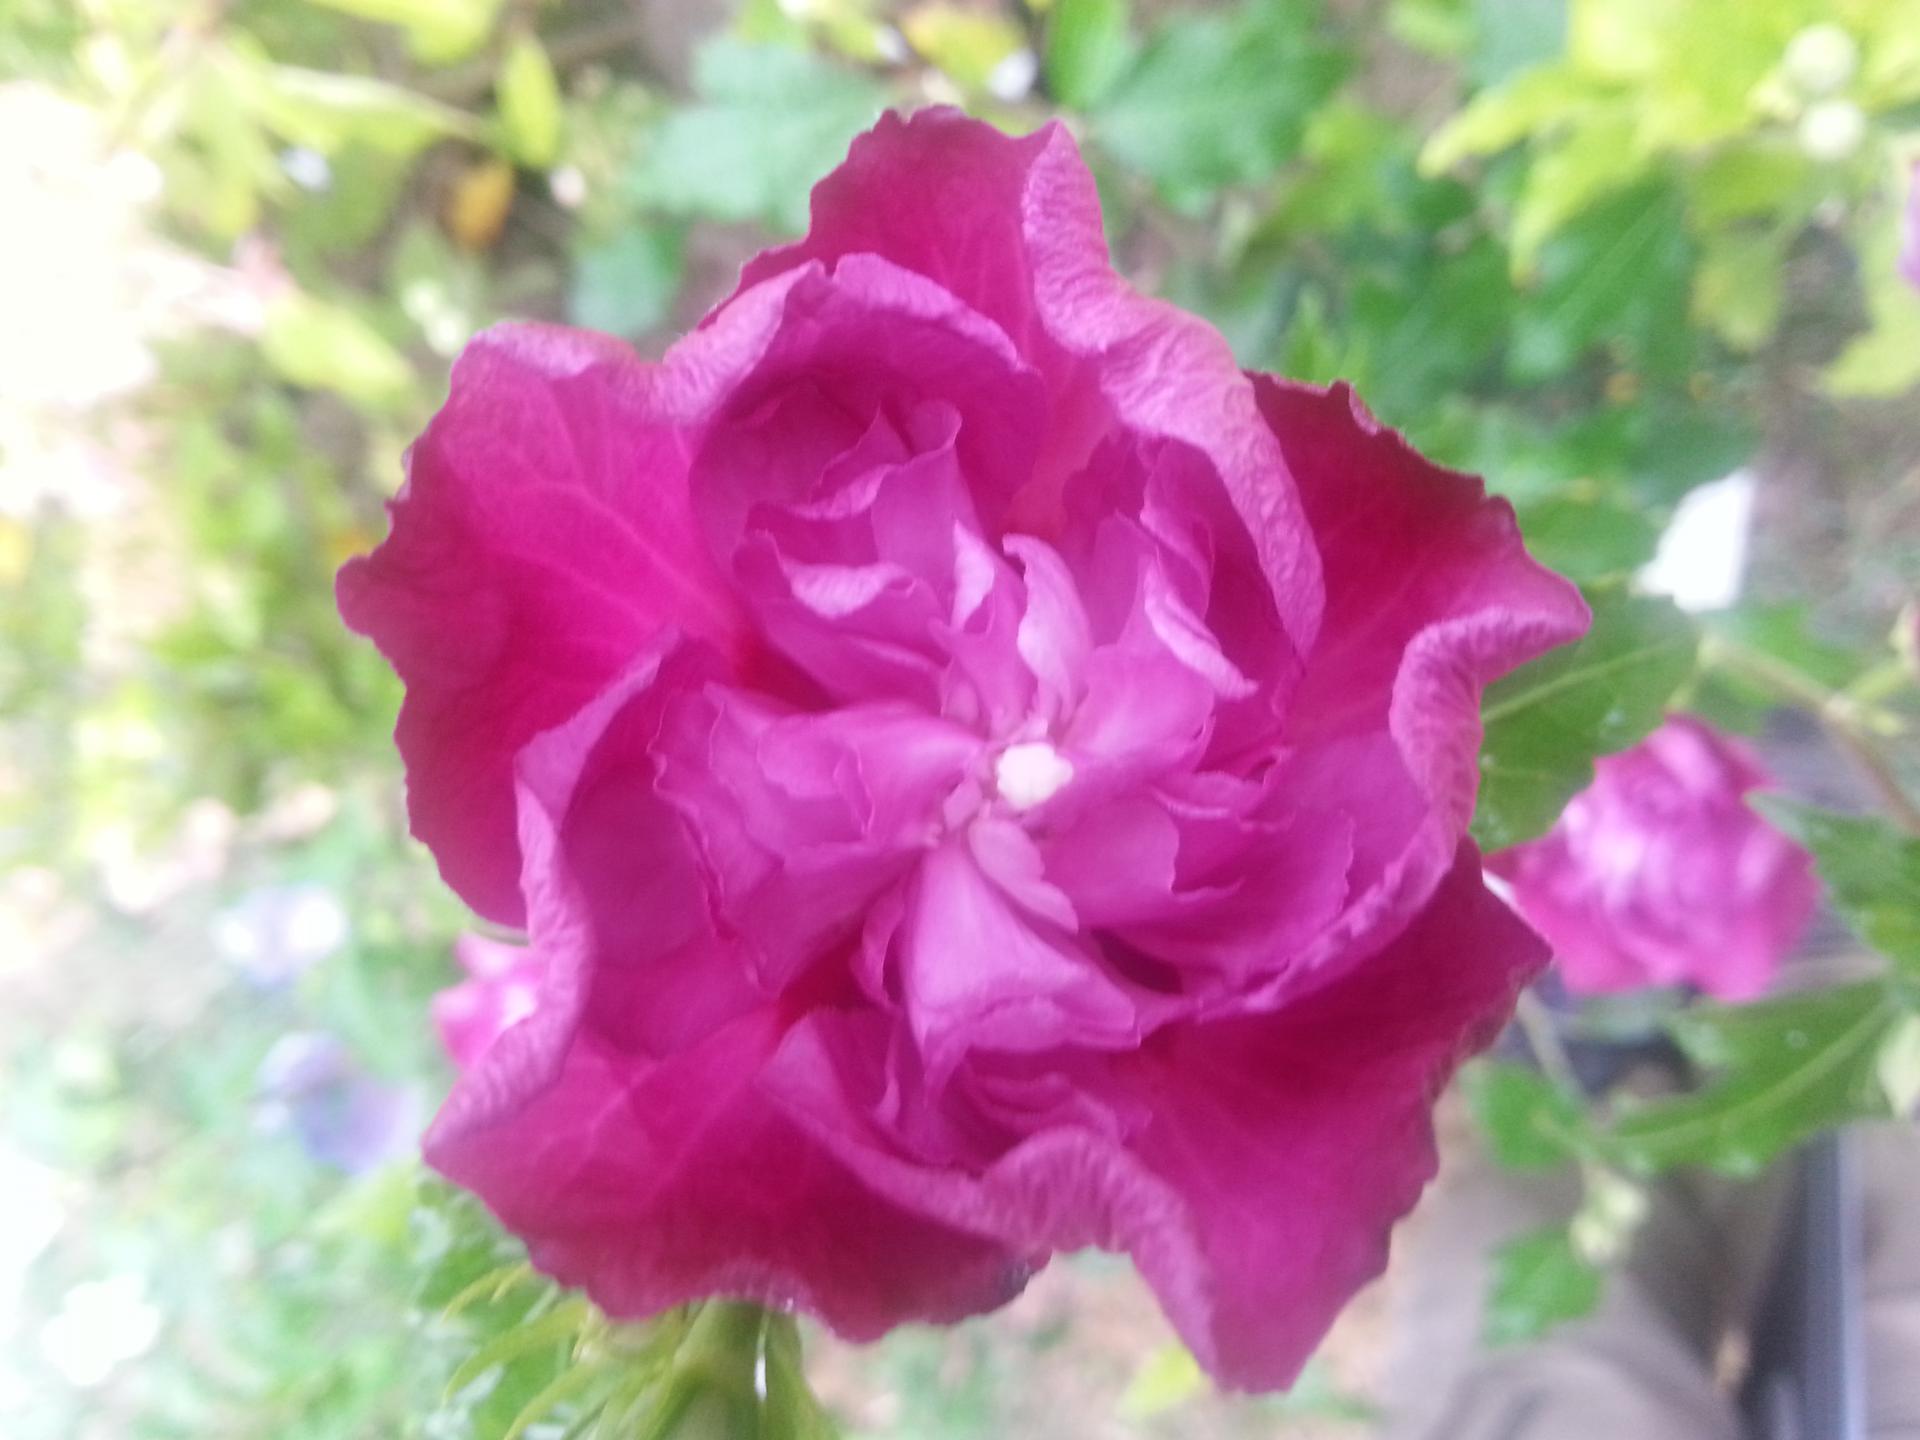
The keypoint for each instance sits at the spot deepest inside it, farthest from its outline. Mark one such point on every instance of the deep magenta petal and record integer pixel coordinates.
(1251, 1207)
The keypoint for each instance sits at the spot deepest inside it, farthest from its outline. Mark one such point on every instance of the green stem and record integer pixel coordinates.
(1854, 727)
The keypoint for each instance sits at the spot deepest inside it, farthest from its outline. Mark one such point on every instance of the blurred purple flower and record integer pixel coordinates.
(1660, 874)
(342, 1115)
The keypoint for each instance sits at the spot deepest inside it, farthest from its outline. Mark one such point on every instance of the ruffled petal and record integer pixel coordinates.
(651, 1183)
(1223, 1156)
(543, 537)
(802, 820)
(1430, 597)
(1012, 227)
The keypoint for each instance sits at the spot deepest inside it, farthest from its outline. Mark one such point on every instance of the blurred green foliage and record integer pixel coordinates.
(1551, 240)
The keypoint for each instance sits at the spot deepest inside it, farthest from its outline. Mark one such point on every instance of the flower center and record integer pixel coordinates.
(1030, 773)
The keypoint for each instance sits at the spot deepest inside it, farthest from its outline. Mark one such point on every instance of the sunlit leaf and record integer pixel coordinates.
(1499, 118)
(1740, 285)
(326, 112)
(1442, 28)
(1886, 359)
(1597, 158)
(528, 95)
(438, 31)
(967, 45)
(1169, 1378)
(321, 345)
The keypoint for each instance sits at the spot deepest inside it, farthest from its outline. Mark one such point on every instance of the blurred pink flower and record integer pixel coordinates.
(983, 777)
(502, 989)
(1910, 231)
(1660, 874)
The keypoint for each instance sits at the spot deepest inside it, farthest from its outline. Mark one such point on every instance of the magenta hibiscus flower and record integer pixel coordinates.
(1659, 873)
(982, 777)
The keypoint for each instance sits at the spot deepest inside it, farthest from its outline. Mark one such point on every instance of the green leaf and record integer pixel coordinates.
(1588, 537)
(1596, 158)
(319, 345)
(327, 112)
(1219, 100)
(1429, 328)
(1741, 283)
(626, 284)
(769, 122)
(1886, 359)
(460, 1254)
(528, 95)
(1530, 1124)
(1539, 1281)
(789, 1410)
(1675, 444)
(1089, 45)
(1870, 869)
(1441, 28)
(1620, 273)
(1787, 1069)
(736, 1373)
(560, 1325)
(1549, 721)
(1764, 176)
